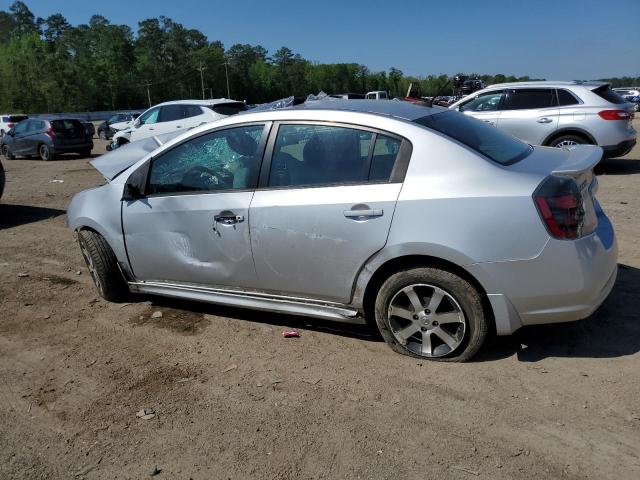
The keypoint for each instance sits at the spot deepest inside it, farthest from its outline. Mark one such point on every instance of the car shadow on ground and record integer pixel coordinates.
(269, 318)
(15, 215)
(612, 331)
(618, 166)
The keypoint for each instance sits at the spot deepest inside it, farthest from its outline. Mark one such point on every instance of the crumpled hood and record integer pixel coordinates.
(113, 163)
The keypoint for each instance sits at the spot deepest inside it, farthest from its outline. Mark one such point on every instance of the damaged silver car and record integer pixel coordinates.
(430, 225)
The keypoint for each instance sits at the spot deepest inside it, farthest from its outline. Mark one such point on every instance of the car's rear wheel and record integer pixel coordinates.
(44, 152)
(431, 313)
(568, 141)
(103, 266)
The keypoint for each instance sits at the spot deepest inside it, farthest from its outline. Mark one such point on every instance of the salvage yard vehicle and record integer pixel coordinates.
(630, 94)
(46, 137)
(8, 121)
(176, 115)
(106, 129)
(556, 114)
(432, 226)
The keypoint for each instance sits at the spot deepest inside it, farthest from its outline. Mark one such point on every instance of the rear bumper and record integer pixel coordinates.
(568, 281)
(72, 148)
(619, 150)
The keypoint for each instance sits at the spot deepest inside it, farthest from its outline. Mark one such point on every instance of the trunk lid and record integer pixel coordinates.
(69, 132)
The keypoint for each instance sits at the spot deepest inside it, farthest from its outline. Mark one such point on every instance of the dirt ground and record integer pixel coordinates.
(232, 399)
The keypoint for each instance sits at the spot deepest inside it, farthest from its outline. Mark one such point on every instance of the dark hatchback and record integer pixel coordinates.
(46, 137)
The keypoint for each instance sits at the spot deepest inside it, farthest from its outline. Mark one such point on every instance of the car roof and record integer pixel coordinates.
(547, 83)
(390, 108)
(213, 101)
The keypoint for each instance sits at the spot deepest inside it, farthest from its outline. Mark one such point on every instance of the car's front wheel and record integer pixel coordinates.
(6, 151)
(431, 313)
(103, 266)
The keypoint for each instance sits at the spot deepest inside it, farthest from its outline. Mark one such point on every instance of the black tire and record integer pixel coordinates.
(44, 152)
(560, 141)
(86, 153)
(7, 153)
(471, 332)
(1, 179)
(103, 266)
(102, 135)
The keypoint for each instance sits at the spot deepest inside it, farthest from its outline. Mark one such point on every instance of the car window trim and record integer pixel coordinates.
(397, 175)
(261, 150)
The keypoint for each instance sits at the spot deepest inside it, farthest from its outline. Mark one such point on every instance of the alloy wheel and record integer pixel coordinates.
(567, 143)
(427, 320)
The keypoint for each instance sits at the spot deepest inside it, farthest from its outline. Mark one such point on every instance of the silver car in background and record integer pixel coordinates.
(430, 225)
(556, 114)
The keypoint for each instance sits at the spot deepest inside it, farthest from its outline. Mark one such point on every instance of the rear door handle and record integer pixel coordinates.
(545, 120)
(371, 212)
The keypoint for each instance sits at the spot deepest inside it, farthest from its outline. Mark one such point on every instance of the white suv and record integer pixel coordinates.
(556, 114)
(8, 121)
(175, 116)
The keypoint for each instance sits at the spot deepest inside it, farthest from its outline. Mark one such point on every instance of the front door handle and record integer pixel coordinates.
(490, 122)
(228, 219)
(370, 212)
(544, 120)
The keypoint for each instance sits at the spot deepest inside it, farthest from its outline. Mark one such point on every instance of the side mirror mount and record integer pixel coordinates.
(134, 188)
(131, 192)
(137, 123)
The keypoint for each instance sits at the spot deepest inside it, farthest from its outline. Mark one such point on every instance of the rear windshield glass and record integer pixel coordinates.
(485, 139)
(17, 118)
(70, 126)
(609, 95)
(228, 108)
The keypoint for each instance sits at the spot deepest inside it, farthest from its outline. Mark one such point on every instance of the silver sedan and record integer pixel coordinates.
(429, 225)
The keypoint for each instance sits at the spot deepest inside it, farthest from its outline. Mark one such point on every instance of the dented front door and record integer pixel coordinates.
(192, 227)
(190, 239)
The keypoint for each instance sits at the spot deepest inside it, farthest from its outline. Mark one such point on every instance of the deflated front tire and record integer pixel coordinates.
(103, 266)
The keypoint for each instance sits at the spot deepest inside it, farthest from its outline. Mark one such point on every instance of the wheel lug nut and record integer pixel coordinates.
(415, 317)
(424, 329)
(428, 312)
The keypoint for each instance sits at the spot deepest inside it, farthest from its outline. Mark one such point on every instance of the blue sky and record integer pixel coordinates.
(554, 39)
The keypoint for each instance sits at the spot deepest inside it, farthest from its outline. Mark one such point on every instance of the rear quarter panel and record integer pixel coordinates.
(453, 199)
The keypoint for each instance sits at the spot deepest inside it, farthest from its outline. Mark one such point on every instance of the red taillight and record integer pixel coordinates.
(51, 132)
(615, 115)
(559, 203)
(10, 125)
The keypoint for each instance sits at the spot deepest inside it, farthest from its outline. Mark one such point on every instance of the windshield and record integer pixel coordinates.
(485, 139)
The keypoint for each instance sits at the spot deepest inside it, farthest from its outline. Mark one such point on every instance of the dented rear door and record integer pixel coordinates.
(317, 218)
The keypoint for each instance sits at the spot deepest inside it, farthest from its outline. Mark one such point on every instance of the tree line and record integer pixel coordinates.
(48, 65)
